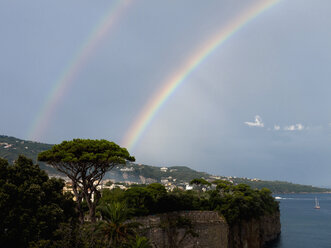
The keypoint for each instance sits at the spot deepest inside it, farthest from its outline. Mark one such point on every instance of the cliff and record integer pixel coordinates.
(255, 233)
(206, 229)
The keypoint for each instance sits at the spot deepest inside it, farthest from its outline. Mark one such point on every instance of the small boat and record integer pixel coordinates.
(278, 198)
(317, 205)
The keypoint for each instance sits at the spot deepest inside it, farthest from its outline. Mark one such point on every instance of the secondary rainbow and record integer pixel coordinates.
(155, 103)
(76, 64)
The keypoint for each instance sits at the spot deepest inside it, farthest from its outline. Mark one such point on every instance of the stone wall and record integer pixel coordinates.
(206, 229)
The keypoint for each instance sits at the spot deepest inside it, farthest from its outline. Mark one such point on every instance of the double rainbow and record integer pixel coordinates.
(155, 103)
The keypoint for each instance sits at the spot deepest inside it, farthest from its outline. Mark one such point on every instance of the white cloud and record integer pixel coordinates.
(296, 127)
(276, 127)
(258, 122)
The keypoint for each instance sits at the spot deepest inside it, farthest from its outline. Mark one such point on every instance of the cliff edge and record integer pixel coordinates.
(207, 229)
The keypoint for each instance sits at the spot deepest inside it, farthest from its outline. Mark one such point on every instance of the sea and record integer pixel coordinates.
(302, 225)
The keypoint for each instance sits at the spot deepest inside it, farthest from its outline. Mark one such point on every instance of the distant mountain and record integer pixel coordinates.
(11, 148)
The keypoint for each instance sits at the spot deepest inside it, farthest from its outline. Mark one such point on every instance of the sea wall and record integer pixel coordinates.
(206, 229)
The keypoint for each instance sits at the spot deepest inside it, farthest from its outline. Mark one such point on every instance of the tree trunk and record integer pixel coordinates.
(92, 213)
(92, 203)
(80, 211)
(79, 204)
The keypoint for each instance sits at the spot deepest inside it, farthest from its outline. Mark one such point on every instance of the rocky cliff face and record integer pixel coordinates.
(255, 233)
(206, 229)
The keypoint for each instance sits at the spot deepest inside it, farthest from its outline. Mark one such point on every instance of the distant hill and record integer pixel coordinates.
(278, 187)
(11, 148)
(141, 173)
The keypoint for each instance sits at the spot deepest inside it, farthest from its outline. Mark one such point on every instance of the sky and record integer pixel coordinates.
(257, 106)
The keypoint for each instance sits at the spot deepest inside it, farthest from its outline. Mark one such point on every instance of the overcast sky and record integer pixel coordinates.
(258, 106)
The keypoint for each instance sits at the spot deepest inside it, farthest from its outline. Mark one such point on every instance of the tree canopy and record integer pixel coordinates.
(234, 202)
(32, 206)
(85, 162)
(200, 181)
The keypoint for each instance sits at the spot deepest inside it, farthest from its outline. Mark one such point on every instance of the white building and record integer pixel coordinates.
(188, 187)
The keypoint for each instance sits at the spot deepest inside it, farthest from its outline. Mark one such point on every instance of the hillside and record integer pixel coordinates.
(11, 148)
(146, 174)
(278, 187)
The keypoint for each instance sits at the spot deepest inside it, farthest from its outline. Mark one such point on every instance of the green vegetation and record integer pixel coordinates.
(182, 173)
(240, 202)
(278, 187)
(11, 148)
(113, 228)
(35, 213)
(235, 203)
(200, 182)
(32, 206)
(85, 162)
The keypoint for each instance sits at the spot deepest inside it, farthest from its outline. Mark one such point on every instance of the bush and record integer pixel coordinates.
(235, 203)
(32, 206)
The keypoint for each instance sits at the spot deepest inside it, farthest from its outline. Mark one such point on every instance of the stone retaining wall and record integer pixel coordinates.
(206, 229)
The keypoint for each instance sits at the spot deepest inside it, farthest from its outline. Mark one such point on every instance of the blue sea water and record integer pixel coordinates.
(302, 225)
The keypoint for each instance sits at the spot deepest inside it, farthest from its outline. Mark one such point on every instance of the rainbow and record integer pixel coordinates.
(76, 64)
(155, 103)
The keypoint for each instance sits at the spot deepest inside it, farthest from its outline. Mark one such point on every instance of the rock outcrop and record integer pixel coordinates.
(255, 232)
(206, 229)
